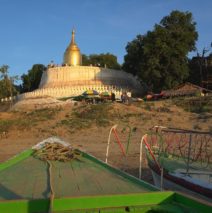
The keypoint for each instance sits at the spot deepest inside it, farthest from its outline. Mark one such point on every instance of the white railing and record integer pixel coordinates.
(8, 99)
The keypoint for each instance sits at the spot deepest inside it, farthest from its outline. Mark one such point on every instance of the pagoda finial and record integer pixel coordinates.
(73, 36)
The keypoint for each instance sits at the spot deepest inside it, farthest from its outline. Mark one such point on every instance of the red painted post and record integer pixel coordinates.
(119, 142)
(151, 153)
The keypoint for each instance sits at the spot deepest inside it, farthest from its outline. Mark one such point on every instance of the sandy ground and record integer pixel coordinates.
(93, 139)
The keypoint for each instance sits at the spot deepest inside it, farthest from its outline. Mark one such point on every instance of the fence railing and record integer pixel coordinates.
(191, 149)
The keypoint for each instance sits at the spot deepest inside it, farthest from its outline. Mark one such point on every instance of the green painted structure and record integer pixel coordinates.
(82, 185)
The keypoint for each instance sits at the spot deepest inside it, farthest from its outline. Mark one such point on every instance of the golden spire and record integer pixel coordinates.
(73, 37)
(72, 56)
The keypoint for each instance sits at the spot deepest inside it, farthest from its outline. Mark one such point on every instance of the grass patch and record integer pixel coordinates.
(42, 114)
(197, 127)
(86, 115)
(126, 117)
(74, 123)
(20, 124)
(163, 109)
(195, 104)
(5, 125)
(148, 105)
(27, 120)
(97, 113)
(169, 119)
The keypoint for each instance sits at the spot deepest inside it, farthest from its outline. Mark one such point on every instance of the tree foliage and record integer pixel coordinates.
(159, 58)
(101, 60)
(32, 79)
(7, 87)
(133, 60)
(200, 69)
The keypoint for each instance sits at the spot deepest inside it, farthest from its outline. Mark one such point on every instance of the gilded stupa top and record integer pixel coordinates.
(72, 56)
(73, 37)
(73, 44)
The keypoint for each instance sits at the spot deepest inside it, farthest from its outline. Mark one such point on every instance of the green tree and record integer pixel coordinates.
(160, 57)
(101, 60)
(133, 60)
(7, 87)
(32, 79)
(85, 60)
(200, 69)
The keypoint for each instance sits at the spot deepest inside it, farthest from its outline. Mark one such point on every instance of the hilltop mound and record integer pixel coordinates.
(39, 103)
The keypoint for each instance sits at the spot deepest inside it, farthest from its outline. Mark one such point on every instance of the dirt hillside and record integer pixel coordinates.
(87, 127)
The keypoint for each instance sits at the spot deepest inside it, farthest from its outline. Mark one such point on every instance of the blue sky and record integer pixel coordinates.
(38, 31)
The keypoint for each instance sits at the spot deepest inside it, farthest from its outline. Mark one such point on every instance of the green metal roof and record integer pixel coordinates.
(28, 178)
